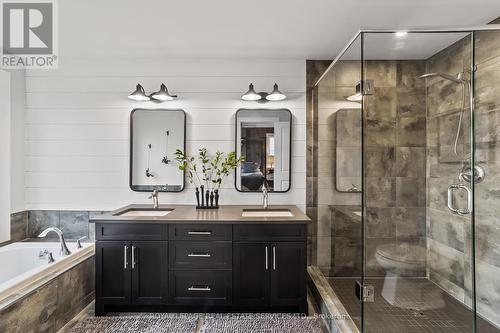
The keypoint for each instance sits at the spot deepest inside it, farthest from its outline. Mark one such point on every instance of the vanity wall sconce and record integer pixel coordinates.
(263, 97)
(160, 96)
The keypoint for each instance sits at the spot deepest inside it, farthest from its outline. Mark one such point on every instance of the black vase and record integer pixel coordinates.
(197, 197)
(202, 195)
(212, 199)
(216, 198)
(207, 197)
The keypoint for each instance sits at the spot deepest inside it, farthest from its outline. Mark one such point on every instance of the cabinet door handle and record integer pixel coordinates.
(199, 232)
(133, 256)
(267, 259)
(199, 288)
(202, 255)
(125, 250)
(274, 258)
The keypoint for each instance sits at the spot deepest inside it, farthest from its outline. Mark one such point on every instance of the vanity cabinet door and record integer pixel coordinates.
(288, 273)
(113, 272)
(149, 267)
(251, 269)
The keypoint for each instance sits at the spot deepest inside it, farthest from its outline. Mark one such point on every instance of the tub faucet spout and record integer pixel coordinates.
(64, 249)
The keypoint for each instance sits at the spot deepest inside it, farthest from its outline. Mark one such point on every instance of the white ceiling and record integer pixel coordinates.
(278, 29)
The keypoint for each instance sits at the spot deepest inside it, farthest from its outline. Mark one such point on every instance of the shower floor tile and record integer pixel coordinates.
(441, 315)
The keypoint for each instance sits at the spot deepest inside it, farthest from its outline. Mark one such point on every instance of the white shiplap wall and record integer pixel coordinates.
(76, 153)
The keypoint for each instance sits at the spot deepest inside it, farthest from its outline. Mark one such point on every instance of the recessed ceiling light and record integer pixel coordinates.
(401, 34)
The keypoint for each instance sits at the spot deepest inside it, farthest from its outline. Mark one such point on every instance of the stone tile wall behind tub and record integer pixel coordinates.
(18, 226)
(74, 224)
(449, 236)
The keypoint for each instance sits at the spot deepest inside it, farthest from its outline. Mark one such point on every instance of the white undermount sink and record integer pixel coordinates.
(266, 213)
(145, 212)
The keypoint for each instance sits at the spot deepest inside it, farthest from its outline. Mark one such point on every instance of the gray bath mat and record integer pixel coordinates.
(260, 323)
(160, 323)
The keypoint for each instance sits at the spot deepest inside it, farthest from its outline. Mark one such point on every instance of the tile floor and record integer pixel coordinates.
(449, 315)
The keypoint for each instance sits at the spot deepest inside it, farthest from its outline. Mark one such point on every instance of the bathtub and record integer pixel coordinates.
(22, 271)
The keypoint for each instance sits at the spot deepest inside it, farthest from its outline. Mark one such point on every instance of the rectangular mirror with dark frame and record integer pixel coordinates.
(264, 139)
(155, 134)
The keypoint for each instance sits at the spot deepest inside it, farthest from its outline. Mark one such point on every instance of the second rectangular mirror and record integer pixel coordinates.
(264, 139)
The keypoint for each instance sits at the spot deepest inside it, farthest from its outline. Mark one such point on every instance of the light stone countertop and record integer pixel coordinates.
(225, 214)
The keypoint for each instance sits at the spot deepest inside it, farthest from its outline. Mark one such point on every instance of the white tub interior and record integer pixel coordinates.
(21, 266)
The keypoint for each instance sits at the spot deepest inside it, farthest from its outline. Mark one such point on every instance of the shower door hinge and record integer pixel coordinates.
(365, 293)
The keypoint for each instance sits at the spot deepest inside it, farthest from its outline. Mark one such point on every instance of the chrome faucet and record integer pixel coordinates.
(154, 196)
(64, 248)
(265, 199)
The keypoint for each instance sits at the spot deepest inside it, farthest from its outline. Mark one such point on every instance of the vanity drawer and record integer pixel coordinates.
(274, 232)
(213, 255)
(129, 231)
(198, 287)
(200, 232)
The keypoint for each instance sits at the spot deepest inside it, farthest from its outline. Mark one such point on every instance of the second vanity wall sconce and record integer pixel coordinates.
(161, 95)
(263, 97)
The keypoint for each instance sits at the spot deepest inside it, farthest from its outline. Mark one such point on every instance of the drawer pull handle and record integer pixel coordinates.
(199, 288)
(199, 232)
(201, 255)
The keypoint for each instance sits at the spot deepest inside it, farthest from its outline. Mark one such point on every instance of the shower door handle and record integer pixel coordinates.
(451, 206)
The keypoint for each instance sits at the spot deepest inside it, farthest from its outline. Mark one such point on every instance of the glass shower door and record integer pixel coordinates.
(486, 234)
(417, 198)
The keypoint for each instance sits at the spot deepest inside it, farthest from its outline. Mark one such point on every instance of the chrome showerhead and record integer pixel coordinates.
(444, 76)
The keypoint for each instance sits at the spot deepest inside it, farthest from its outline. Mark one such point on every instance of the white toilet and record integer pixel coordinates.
(402, 263)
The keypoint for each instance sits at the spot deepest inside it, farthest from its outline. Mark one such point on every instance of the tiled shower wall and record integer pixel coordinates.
(395, 164)
(449, 236)
(338, 236)
(395, 144)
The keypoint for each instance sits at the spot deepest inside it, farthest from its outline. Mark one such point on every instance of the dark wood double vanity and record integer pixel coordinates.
(178, 258)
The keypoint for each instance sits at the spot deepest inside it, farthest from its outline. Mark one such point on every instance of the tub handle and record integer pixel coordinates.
(125, 250)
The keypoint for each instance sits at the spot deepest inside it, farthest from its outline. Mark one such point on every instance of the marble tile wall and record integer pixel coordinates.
(50, 307)
(449, 236)
(395, 168)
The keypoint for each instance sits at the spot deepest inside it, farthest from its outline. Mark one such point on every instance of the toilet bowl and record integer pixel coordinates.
(403, 262)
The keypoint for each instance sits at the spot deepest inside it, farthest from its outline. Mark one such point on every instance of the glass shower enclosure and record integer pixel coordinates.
(408, 164)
